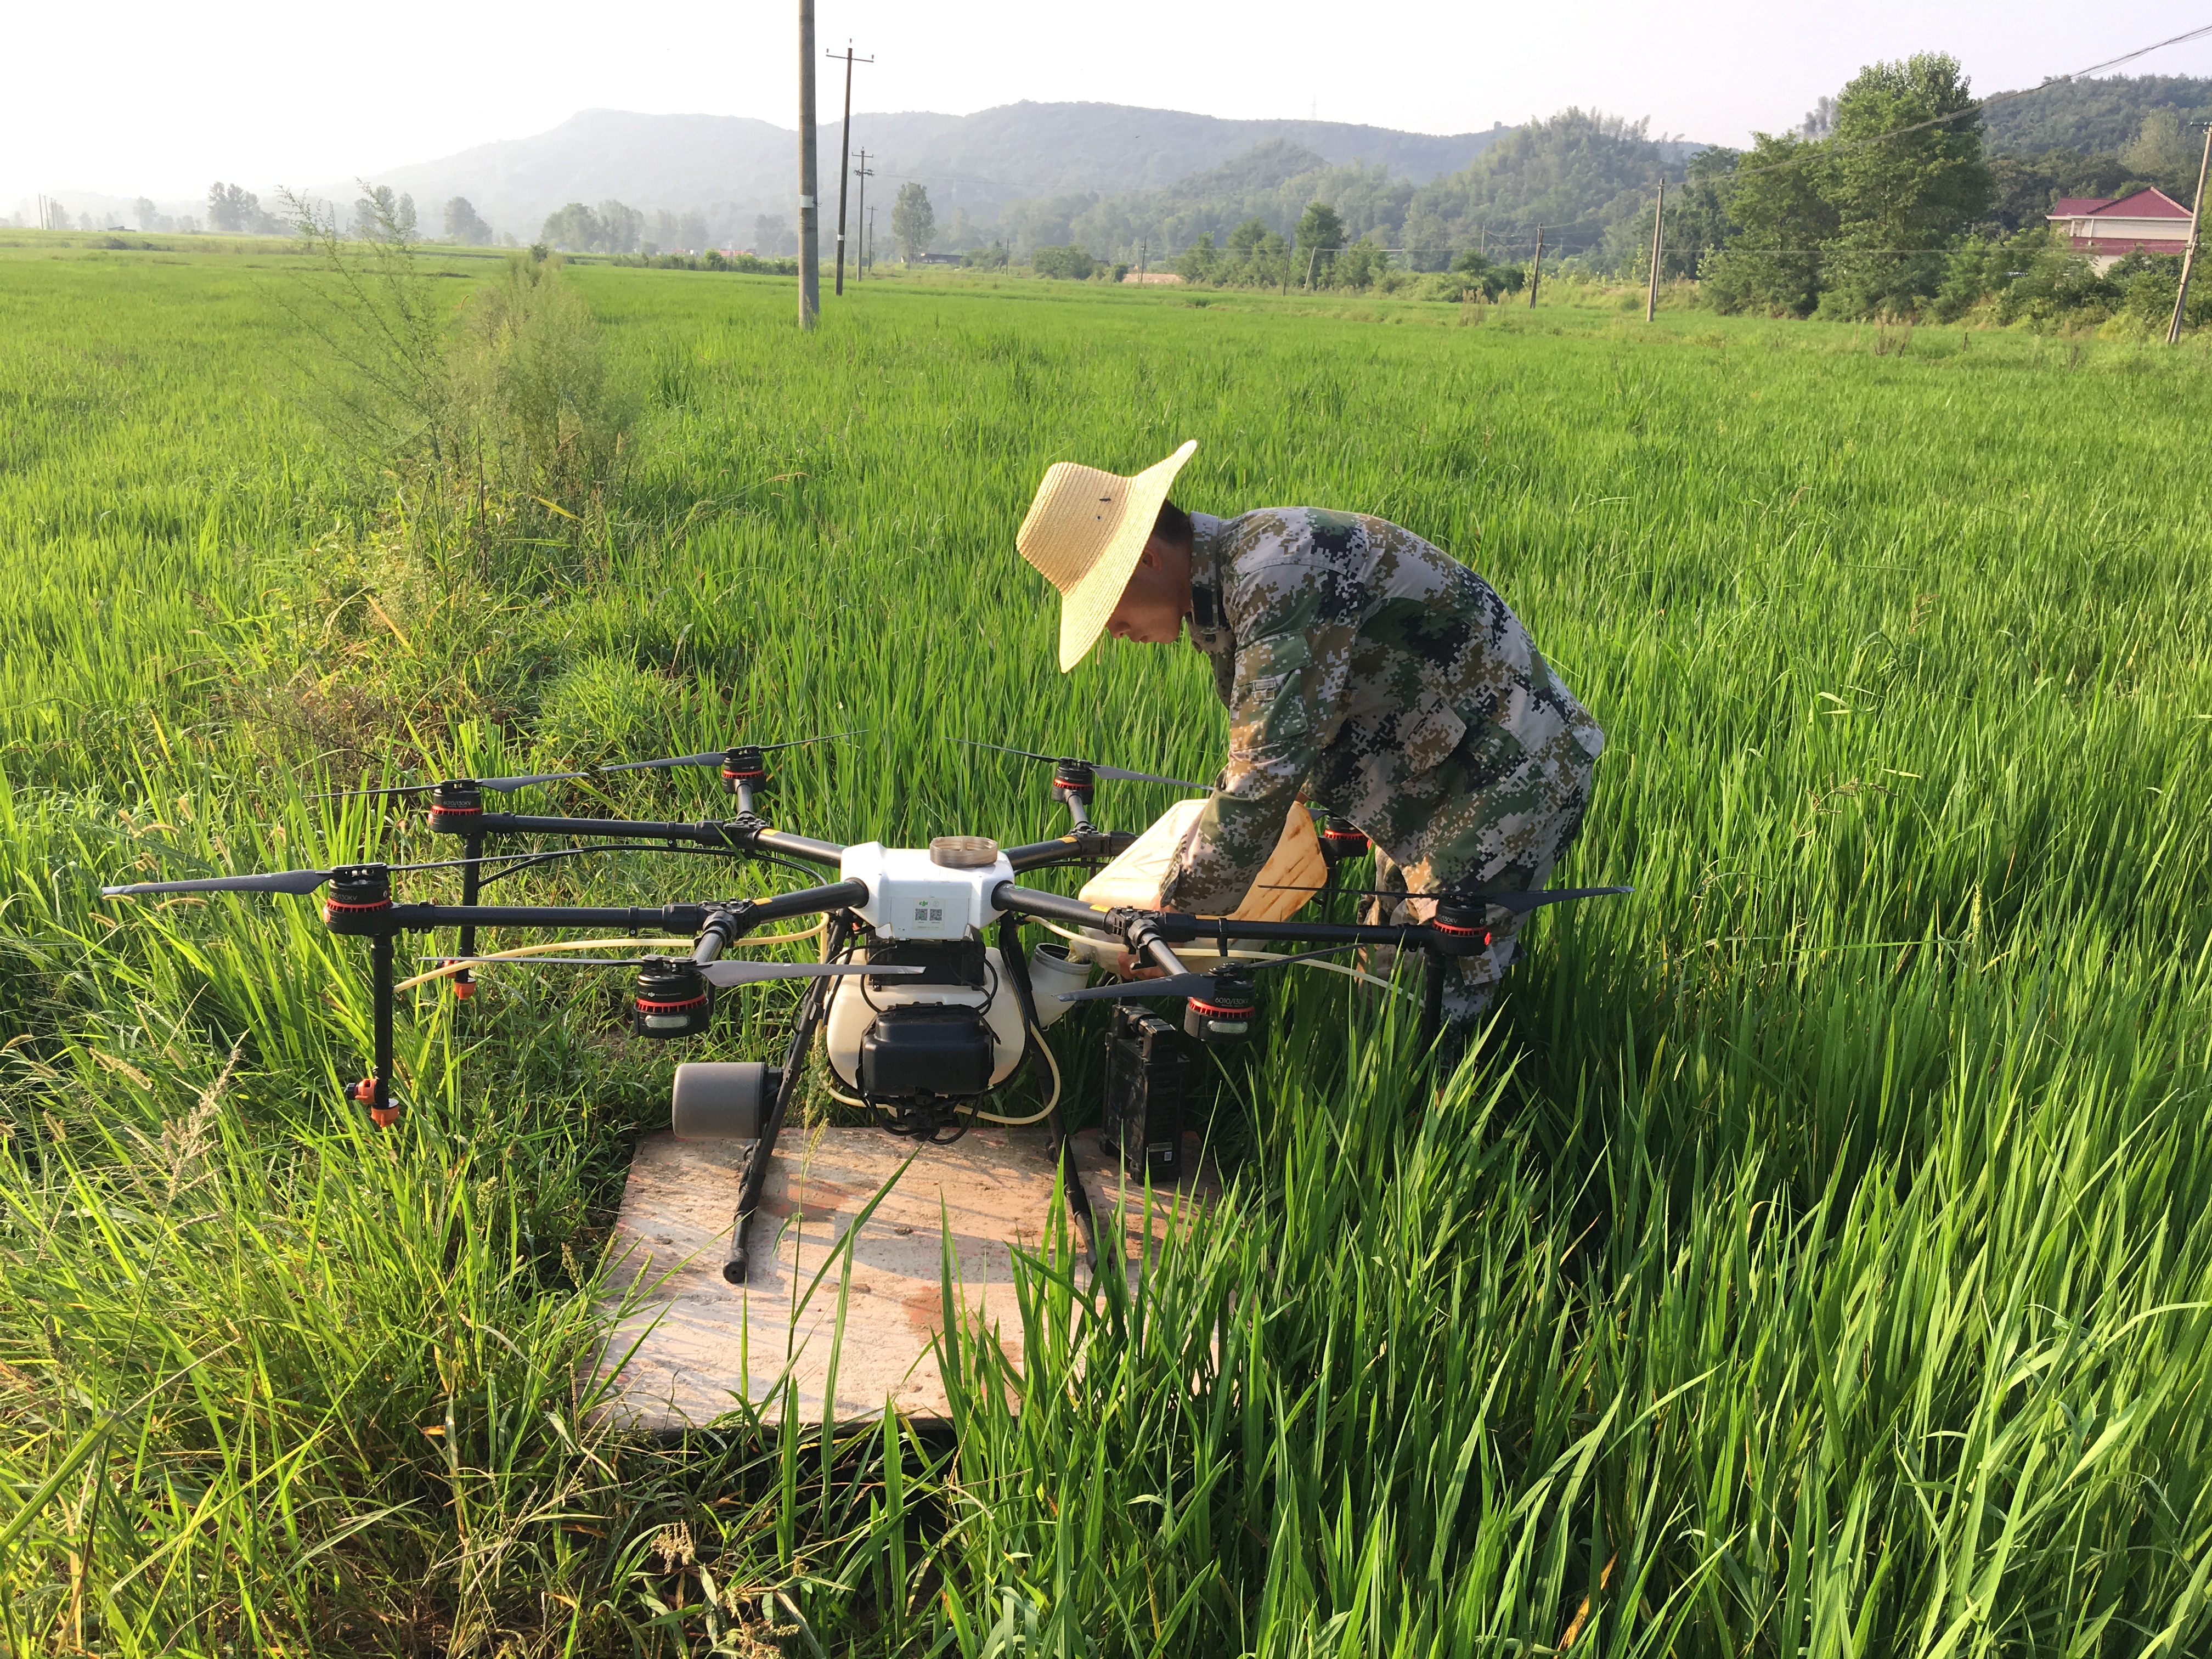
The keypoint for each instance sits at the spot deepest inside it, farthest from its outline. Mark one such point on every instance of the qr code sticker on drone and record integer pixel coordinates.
(928, 912)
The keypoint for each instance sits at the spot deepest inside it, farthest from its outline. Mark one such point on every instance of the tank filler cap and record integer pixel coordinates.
(964, 852)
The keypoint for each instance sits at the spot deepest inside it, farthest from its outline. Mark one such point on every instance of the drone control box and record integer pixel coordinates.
(1147, 1062)
(913, 894)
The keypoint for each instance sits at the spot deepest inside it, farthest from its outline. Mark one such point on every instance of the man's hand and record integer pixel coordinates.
(1128, 966)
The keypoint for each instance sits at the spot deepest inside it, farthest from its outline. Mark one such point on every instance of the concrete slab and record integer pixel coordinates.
(694, 1343)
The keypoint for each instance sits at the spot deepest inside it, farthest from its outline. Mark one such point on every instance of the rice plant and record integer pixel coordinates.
(1809, 1261)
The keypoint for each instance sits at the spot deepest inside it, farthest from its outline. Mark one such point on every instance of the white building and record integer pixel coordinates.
(2107, 229)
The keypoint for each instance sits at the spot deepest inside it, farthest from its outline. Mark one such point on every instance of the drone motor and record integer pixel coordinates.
(672, 1000)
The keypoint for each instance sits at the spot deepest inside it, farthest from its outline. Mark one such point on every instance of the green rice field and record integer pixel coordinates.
(1812, 1261)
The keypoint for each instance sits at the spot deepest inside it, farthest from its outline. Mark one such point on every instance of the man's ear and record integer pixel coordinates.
(1150, 558)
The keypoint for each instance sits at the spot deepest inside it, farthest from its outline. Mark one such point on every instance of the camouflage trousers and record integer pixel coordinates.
(1513, 857)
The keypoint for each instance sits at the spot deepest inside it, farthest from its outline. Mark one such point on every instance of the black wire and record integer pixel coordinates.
(528, 861)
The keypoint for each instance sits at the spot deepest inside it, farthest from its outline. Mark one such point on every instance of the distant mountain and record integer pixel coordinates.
(732, 167)
(2095, 117)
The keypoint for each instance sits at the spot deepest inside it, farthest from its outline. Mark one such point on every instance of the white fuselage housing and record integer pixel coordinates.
(911, 896)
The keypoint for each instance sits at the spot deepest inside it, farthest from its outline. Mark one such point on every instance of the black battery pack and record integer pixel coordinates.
(911, 1052)
(1147, 1066)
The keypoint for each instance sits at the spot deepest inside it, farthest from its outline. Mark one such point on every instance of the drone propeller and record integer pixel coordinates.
(720, 756)
(1113, 774)
(502, 785)
(1193, 985)
(1520, 903)
(724, 974)
(298, 882)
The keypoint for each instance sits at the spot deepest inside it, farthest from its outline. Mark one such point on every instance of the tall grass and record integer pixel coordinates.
(1809, 1261)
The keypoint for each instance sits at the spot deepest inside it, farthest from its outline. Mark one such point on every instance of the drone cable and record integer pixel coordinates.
(523, 950)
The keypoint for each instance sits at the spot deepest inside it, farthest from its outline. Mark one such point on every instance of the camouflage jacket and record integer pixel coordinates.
(1390, 682)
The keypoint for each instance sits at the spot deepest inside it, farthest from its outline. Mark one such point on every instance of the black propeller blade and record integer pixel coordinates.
(721, 755)
(300, 882)
(502, 785)
(724, 974)
(280, 881)
(1113, 774)
(1193, 985)
(1520, 903)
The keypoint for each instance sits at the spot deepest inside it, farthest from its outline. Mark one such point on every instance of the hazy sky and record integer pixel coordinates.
(130, 97)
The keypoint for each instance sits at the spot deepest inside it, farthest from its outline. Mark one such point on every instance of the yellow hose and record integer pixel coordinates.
(448, 970)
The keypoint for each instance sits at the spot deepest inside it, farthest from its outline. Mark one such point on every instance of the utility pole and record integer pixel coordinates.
(2189, 254)
(1143, 250)
(864, 172)
(1651, 300)
(846, 163)
(871, 249)
(1536, 268)
(810, 214)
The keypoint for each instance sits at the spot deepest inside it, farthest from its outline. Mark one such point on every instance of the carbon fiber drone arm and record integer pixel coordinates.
(737, 834)
(1132, 926)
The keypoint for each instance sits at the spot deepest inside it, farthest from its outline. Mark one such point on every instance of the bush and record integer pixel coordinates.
(1070, 264)
(531, 392)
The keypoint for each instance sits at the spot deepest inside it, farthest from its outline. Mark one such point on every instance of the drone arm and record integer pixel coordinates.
(1070, 849)
(1175, 928)
(737, 834)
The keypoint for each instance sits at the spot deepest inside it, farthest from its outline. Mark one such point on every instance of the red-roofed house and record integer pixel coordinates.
(2105, 229)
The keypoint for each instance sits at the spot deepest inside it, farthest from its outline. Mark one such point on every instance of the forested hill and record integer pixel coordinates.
(1584, 177)
(2090, 117)
(732, 169)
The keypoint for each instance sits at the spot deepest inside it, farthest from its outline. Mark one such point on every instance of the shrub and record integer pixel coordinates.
(1070, 264)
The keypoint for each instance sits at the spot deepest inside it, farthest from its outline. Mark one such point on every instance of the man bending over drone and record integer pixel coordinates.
(1361, 667)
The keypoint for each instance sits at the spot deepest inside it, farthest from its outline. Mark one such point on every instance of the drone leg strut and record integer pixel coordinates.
(472, 849)
(1435, 965)
(378, 1089)
(755, 1179)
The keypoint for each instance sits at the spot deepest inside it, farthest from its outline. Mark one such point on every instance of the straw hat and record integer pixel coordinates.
(1086, 531)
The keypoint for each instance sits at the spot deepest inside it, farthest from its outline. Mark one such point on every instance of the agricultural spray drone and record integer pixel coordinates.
(924, 1000)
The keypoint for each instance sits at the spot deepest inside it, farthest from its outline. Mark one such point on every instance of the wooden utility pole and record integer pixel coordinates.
(2189, 254)
(809, 213)
(863, 172)
(1536, 268)
(869, 252)
(1651, 300)
(842, 166)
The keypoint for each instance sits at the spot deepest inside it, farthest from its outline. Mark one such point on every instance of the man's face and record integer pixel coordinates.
(1157, 597)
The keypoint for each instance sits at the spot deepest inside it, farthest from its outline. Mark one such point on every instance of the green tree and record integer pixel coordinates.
(465, 225)
(1320, 234)
(1198, 262)
(574, 227)
(913, 221)
(1359, 265)
(620, 228)
(1072, 263)
(1900, 200)
(1785, 220)
(380, 216)
(2164, 153)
